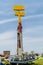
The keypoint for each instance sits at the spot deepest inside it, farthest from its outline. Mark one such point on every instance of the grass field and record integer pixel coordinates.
(37, 62)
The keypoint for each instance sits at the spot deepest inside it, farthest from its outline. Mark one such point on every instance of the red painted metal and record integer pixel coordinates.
(20, 27)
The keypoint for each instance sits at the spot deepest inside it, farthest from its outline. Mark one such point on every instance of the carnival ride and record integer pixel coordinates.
(20, 58)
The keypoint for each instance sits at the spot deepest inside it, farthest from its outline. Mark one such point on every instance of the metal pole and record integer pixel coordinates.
(17, 64)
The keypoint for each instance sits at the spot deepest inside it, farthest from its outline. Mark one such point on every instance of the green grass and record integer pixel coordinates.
(38, 62)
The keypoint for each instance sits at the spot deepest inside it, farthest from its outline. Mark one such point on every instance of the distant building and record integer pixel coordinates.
(6, 53)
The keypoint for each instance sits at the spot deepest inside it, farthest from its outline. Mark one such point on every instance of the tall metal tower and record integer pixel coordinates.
(19, 13)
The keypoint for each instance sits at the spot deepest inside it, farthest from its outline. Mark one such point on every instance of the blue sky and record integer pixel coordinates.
(32, 24)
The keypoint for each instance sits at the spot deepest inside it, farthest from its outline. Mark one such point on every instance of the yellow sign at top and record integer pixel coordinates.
(18, 8)
(18, 13)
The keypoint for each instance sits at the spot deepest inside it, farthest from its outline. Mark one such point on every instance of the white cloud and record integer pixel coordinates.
(15, 19)
(33, 44)
(8, 45)
(33, 16)
(33, 30)
(8, 20)
(8, 41)
(8, 35)
(32, 40)
(2, 12)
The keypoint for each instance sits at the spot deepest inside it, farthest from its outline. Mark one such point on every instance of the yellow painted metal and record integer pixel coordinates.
(18, 13)
(18, 8)
(19, 19)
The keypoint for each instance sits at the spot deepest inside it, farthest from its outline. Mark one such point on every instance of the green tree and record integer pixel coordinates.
(42, 55)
